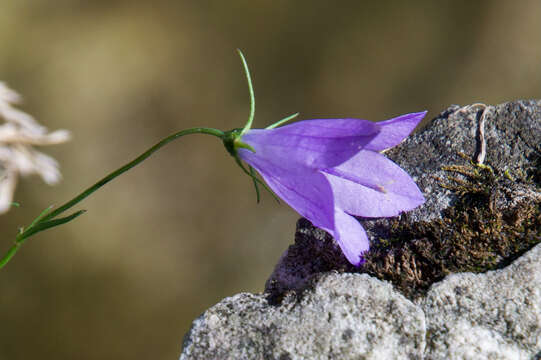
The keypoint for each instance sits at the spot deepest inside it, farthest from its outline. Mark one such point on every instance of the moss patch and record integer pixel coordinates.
(493, 221)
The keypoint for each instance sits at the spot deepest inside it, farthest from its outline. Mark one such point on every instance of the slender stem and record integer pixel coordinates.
(46, 215)
(248, 125)
(9, 254)
(128, 166)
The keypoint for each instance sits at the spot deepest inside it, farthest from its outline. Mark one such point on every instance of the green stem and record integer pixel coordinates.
(10, 253)
(47, 216)
(128, 166)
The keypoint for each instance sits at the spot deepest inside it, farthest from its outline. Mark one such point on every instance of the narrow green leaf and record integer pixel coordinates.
(254, 178)
(283, 121)
(257, 194)
(40, 216)
(248, 125)
(41, 226)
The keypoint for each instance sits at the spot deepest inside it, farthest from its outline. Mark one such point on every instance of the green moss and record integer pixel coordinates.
(486, 229)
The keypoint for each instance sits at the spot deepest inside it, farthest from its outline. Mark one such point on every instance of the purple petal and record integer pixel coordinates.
(394, 131)
(309, 192)
(370, 185)
(350, 235)
(312, 143)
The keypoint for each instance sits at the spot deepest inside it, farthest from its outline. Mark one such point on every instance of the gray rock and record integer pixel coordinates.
(329, 322)
(314, 307)
(496, 315)
(513, 138)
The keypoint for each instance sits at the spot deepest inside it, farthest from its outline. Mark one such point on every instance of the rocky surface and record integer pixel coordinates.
(513, 144)
(328, 322)
(495, 315)
(478, 217)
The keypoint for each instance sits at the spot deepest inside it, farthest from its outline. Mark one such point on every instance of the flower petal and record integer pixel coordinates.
(309, 193)
(370, 185)
(394, 131)
(312, 143)
(350, 235)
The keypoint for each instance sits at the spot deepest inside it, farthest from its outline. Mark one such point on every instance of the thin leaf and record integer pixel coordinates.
(254, 178)
(248, 125)
(40, 216)
(49, 224)
(257, 194)
(283, 121)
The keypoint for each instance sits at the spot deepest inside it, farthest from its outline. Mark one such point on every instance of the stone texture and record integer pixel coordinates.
(496, 315)
(330, 321)
(315, 308)
(513, 139)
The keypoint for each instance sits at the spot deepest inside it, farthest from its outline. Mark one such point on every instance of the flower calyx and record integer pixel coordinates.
(232, 140)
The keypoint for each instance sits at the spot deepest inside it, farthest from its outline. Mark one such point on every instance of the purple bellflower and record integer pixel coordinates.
(327, 170)
(331, 170)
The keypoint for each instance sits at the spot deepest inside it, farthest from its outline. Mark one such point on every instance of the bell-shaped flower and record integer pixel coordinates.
(327, 170)
(332, 170)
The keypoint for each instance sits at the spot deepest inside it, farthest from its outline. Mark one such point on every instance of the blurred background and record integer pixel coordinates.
(175, 235)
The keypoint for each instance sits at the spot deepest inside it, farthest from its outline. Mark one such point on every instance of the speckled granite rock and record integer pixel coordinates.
(329, 322)
(513, 138)
(496, 315)
(313, 308)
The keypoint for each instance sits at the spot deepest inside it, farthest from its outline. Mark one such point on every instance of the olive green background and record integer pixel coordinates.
(180, 232)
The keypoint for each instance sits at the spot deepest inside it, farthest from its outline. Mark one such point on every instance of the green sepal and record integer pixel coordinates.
(253, 174)
(248, 125)
(283, 121)
(255, 179)
(232, 141)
